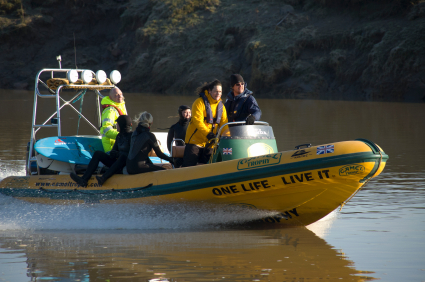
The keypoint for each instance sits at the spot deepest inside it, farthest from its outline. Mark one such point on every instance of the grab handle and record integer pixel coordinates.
(307, 145)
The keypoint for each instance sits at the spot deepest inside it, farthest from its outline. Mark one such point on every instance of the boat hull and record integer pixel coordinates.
(300, 186)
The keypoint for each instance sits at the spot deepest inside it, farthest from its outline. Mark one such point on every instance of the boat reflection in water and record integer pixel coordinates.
(290, 254)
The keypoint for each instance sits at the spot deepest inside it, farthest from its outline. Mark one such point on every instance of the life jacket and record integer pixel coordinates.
(118, 109)
(209, 118)
(198, 127)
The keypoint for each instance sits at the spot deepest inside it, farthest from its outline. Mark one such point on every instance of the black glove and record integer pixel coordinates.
(114, 154)
(210, 136)
(250, 120)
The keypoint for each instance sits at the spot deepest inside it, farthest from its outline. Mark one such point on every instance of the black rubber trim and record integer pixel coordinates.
(375, 149)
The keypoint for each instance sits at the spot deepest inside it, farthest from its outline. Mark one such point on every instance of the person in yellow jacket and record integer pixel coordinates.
(113, 107)
(208, 115)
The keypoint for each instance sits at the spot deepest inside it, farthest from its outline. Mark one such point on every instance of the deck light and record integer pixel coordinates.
(100, 76)
(87, 76)
(115, 76)
(72, 76)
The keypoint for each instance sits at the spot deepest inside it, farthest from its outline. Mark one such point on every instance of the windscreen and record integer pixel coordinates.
(248, 132)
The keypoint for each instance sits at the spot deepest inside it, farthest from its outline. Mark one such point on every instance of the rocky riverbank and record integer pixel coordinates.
(315, 49)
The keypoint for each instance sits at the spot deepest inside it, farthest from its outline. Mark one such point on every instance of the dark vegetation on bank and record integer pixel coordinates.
(316, 49)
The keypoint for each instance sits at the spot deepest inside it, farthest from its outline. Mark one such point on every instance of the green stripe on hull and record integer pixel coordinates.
(196, 184)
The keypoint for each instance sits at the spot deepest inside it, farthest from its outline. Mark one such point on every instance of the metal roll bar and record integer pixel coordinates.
(56, 95)
(38, 80)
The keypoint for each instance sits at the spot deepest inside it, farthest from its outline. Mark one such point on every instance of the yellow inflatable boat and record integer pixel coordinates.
(299, 186)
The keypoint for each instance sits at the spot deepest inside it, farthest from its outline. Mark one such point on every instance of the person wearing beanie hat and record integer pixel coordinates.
(142, 143)
(178, 131)
(235, 78)
(116, 158)
(241, 104)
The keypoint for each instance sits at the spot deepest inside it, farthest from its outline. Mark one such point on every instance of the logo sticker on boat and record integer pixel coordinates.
(62, 142)
(259, 149)
(59, 142)
(300, 154)
(351, 169)
(256, 131)
(259, 161)
(327, 149)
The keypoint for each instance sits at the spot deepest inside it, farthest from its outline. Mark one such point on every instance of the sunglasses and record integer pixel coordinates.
(239, 84)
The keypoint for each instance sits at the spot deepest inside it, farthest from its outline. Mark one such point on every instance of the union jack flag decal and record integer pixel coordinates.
(327, 149)
(227, 151)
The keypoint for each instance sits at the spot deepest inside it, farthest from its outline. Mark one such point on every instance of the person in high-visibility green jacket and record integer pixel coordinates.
(113, 107)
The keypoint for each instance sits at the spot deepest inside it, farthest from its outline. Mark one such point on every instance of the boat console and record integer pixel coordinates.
(237, 140)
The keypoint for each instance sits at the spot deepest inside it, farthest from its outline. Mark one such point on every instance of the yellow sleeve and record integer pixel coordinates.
(198, 117)
(108, 120)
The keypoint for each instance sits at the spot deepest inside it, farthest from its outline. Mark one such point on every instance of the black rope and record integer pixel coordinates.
(94, 193)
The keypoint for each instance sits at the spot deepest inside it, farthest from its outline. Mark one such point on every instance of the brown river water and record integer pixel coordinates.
(379, 234)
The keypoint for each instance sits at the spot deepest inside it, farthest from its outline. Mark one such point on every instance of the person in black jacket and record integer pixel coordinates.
(178, 131)
(241, 104)
(115, 160)
(142, 142)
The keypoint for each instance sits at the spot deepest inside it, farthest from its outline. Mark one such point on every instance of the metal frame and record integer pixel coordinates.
(56, 95)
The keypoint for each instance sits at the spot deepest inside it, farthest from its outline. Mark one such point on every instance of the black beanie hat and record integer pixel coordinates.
(235, 78)
(183, 108)
(124, 122)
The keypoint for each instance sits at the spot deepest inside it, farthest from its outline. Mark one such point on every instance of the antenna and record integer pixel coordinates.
(75, 52)
(59, 59)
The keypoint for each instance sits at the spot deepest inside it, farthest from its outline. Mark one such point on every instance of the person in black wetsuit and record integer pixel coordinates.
(115, 160)
(178, 131)
(142, 142)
